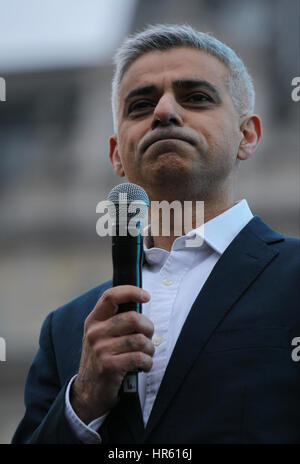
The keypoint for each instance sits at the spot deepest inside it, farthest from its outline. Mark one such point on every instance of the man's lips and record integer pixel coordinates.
(169, 139)
(164, 135)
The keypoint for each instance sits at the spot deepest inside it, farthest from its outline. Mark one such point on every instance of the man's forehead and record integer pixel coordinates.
(180, 63)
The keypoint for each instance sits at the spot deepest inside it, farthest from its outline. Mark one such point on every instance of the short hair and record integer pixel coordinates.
(163, 37)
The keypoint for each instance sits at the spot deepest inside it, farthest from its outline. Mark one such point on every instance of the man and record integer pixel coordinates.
(213, 345)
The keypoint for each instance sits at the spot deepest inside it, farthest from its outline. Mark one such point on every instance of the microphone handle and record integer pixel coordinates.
(127, 256)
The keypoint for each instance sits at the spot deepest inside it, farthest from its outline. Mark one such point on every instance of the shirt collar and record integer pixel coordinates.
(220, 231)
(217, 233)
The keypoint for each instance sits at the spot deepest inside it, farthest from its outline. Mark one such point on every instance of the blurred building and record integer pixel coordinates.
(54, 167)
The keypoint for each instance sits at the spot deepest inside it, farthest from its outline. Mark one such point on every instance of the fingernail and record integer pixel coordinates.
(143, 295)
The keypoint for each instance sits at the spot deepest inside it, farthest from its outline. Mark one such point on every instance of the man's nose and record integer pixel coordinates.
(167, 111)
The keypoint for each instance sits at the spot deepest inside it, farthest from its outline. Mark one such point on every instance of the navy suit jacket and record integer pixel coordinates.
(231, 377)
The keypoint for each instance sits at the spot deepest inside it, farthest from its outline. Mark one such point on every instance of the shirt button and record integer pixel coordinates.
(167, 281)
(152, 256)
(157, 341)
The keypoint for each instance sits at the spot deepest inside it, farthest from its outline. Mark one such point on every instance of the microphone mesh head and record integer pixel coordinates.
(134, 193)
(124, 195)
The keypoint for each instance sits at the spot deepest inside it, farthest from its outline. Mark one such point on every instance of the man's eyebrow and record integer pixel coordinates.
(189, 84)
(181, 84)
(140, 91)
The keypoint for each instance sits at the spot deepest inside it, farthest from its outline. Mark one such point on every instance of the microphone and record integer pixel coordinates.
(128, 210)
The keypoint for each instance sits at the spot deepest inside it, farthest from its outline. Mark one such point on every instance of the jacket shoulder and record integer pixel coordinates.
(270, 236)
(288, 247)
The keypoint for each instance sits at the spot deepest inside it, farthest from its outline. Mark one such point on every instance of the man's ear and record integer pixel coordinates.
(251, 132)
(114, 156)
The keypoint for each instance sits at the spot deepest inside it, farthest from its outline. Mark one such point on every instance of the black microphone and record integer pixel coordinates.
(128, 211)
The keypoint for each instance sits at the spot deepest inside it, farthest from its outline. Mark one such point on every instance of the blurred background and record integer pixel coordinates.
(54, 128)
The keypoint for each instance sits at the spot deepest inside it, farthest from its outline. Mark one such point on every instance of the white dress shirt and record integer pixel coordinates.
(173, 279)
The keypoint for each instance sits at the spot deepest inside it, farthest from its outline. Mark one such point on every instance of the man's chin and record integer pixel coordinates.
(168, 172)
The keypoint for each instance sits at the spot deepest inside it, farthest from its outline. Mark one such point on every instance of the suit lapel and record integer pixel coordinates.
(238, 267)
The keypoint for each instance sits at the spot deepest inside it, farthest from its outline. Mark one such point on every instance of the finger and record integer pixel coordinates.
(122, 324)
(129, 322)
(126, 362)
(107, 305)
(125, 344)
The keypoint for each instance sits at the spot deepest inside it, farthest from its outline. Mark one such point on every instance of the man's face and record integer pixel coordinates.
(177, 125)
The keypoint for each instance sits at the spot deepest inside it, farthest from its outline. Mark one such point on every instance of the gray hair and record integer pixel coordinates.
(166, 36)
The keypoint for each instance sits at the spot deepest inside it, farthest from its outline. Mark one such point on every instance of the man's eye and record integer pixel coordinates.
(198, 98)
(139, 106)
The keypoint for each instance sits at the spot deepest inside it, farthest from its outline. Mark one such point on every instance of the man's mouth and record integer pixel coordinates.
(169, 136)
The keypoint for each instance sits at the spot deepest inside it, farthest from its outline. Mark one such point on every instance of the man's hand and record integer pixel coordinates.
(113, 344)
